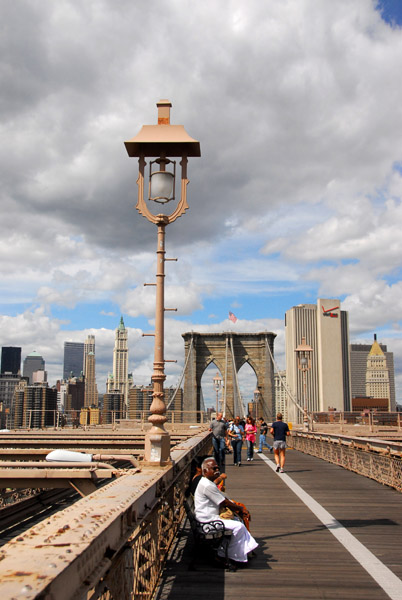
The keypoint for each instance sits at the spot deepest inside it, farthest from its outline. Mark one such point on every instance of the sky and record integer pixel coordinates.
(296, 196)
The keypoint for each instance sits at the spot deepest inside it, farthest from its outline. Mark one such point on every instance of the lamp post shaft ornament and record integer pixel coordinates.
(162, 141)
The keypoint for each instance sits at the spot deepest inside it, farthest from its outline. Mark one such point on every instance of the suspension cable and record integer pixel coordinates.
(183, 372)
(239, 397)
(283, 383)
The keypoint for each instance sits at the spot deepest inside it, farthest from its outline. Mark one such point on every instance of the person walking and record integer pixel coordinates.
(236, 434)
(280, 431)
(250, 430)
(263, 436)
(219, 435)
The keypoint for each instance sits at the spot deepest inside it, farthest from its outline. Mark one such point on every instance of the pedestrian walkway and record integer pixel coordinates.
(295, 518)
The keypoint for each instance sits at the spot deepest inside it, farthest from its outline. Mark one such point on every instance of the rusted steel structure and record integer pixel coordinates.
(374, 458)
(110, 544)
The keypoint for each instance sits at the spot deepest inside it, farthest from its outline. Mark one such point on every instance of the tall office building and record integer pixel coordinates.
(8, 384)
(113, 407)
(119, 381)
(140, 400)
(35, 406)
(281, 396)
(75, 395)
(89, 346)
(359, 354)
(325, 328)
(377, 374)
(33, 362)
(73, 359)
(91, 389)
(11, 360)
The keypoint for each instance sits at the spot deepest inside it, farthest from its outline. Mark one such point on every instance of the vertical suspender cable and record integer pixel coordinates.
(239, 398)
(288, 392)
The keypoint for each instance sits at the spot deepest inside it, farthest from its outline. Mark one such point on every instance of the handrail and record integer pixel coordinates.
(377, 459)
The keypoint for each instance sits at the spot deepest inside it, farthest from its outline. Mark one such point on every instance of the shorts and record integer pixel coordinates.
(279, 445)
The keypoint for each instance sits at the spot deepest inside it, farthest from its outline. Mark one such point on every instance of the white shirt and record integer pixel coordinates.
(207, 499)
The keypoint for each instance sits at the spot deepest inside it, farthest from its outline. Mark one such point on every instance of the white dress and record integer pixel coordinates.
(207, 499)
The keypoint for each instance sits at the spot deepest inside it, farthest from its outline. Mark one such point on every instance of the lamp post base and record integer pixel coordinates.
(157, 447)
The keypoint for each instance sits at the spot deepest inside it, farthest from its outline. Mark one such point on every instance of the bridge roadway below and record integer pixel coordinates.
(299, 557)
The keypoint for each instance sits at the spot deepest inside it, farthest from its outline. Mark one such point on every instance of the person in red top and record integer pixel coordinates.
(280, 431)
(250, 430)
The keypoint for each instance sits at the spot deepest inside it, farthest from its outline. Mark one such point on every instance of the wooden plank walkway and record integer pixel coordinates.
(298, 557)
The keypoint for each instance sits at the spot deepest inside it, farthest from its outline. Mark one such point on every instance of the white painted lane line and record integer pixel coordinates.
(386, 579)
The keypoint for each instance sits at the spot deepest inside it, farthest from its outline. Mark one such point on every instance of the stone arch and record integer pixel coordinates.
(229, 351)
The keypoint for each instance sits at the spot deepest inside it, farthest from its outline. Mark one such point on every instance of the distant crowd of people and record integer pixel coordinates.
(229, 437)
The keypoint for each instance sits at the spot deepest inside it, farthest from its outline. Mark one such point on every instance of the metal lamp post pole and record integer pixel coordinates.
(303, 354)
(217, 381)
(157, 442)
(161, 140)
(305, 416)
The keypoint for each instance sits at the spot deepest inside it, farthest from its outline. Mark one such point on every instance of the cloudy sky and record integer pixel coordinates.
(297, 195)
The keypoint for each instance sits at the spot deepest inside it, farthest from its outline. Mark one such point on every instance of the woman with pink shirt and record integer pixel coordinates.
(250, 430)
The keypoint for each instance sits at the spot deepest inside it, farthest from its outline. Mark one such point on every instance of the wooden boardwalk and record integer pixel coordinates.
(298, 557)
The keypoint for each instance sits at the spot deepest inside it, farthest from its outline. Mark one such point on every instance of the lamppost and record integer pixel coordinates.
(257, 401)
(303, 353)
(217, 380)
(161, 141)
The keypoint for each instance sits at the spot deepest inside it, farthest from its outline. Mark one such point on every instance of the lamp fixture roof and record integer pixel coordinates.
(155, 140)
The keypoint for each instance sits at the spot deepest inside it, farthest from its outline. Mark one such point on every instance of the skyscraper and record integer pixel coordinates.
(89, 346)
(359, 354)
(120, 379)
(325, 327)
(113, 407)
(35, 406)
(377, 374)
(281, 397)
(33, 362)
(73, 359)
(11, 360)
(91, 389)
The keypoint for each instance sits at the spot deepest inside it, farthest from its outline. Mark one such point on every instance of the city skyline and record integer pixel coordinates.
(297, 194)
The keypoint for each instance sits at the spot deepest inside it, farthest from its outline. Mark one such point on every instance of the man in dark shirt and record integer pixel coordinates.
(279, 430)
(263, 436)
(219, 436)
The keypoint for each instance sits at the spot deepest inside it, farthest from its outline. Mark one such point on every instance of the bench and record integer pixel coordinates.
(210, 536)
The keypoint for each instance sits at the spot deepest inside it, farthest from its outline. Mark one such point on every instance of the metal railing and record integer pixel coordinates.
(55, 419)
(376, 459)
(368, 418)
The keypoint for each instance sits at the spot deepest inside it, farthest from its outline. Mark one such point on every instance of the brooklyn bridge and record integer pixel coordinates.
(113, 527)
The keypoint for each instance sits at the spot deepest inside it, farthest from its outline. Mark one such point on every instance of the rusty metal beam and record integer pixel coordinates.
(72, 550)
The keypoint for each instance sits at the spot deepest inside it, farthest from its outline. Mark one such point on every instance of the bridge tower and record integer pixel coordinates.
(229, 351)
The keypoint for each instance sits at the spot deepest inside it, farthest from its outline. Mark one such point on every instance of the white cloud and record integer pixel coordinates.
(298, 191)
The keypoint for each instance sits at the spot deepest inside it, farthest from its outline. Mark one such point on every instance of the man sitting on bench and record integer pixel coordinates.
(207, 501)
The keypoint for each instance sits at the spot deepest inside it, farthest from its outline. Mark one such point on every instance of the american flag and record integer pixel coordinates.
(232, 317)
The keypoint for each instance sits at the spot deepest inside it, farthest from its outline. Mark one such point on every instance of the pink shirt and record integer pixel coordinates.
(250, 430)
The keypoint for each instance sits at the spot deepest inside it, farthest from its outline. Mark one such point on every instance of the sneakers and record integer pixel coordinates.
(282, 471)
(277, 468)
(239, 464)
(259, 451)
(249, 459)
